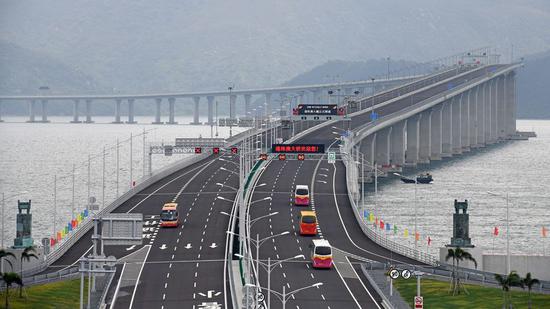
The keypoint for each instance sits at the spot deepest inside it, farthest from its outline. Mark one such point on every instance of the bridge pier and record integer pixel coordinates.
(436, 132)
(44, 111)
(210, 110)
(171, 103)
(76, 108)
(502, 109)
(382, 146)
(131, 112)
(511, 103)
(425, 140)
(398, 143)
(89, 111)
(197, 100)
(367, 147)
(247, 99)
(474, 121)
(268, 104)
(1, 112)
(457, 124)
(232, 106)
(32, 111)
(413, 134)
(158, 102)
(282, 109)
(465, 121)
(117, 111)
(481, 116)
(447, 129)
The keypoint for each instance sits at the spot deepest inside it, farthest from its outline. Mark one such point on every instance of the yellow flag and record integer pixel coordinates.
(406, 233)
(371, 217)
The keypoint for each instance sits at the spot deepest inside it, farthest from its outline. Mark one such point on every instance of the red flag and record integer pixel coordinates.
(381, 224)
(429, 240)
(495, 231)
(544, 232)
(52, 241)
(417, 236)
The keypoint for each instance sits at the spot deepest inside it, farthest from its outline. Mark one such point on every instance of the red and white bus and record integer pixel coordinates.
(169, 215)
(301, 195)
(321, 254)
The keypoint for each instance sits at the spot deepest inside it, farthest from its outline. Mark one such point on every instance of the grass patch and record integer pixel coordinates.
(61, 294)
(436, 295)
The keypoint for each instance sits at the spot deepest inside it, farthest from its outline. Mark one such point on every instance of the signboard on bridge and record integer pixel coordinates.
(298, 148)
(121, 229)
(331, 157)
(318, 112)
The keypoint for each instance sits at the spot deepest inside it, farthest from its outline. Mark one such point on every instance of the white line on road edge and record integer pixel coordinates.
(139, 275)
(117, 287)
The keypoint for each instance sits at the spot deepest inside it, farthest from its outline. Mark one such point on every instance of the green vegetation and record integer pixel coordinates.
(58, 295)
(436, 295)
(458, 255)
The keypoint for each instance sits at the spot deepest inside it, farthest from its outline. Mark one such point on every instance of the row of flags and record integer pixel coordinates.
(71, 225)
(388, 227)
(544, 231)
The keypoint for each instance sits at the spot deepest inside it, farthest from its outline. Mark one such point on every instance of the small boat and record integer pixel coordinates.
(422, 178)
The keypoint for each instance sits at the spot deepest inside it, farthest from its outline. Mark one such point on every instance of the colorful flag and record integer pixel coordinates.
(406, 233)
(381, 224)
(395, 229)
(365, 213)
(59, 236)
(544, 232)
(417, 236)
(52, 241)
(371, 217)
(388, 227)
(85, 213)
(495, 231)
(69, 227)
(429, 240)
(375, 221)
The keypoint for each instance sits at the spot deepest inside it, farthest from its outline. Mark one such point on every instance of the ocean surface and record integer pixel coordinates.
(520, 169)
(33, 155)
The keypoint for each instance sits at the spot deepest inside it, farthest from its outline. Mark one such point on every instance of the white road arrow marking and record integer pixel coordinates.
(324, 175)
(154, 222)
(213, 245)
(130, 248)
(163, 247)
(210, 293)
(321, 181)
(188, 246)
(146, 222)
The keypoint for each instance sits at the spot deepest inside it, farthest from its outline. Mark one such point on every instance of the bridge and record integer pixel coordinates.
(237, 211)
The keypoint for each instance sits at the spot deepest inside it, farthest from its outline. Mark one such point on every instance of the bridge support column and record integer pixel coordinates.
(474, 122)
(383, 145)
(44, 111)
(268, 104)
(282, 105)
(117, 111)
(413, 134)
(489, 113)
(89, 111)
(457, 124)
(1, 112)
(247, 110)
(480, 111)
(397, 155)
(210, 110)
(436, 132)
(76, 108)
(447, 129)
(158, 102)
(425, 140)
(301, 98)
(501, 119)
(131, 111)
(32, 111)
(196, 121)
(465, 121)
(510, 104)
(171, 114)
(232, 106)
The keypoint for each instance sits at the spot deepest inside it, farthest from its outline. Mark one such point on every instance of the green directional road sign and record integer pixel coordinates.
(331, 157)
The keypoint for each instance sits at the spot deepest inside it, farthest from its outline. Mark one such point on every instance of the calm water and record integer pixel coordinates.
(32, 155)
(521, 168)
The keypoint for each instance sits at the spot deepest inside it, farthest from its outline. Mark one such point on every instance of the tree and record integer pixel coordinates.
(528, 283)
(458, 255)
(26, 255)
(10, 279)
(6, 254)
(506, 282)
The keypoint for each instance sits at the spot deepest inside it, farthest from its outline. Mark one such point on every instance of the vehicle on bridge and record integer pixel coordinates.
(308, 222)
(301, 195)
(169, 216)
(321, 254)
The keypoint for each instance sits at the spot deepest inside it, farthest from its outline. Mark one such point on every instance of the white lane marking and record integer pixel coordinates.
(139, 275)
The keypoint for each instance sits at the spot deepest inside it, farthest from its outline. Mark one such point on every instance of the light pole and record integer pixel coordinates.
(415, 212)
(507, 229)
(230, 88)
(388, 76)
(285, 296)
(372, 101)
(269, 267)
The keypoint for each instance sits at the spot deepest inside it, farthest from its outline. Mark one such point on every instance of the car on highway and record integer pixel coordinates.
(321, 253)
(169, 216)
(308, 222)
(301, 195)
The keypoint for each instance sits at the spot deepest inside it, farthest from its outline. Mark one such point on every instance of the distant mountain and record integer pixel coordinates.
(172, 45)
(534, 87)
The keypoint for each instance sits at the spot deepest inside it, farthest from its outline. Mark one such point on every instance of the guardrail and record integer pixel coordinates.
(372, 232)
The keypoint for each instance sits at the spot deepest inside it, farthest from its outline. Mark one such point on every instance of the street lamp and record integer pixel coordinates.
(285, 296)
(415, 212)
(507, 229)
(269, 267)
(372, 103)
(230, 88)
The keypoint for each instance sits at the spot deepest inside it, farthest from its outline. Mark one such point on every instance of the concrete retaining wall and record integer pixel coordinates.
(537, 265)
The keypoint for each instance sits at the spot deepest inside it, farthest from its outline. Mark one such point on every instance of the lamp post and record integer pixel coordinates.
(285, 296)
(415, 211)
(388, 76)
(507, 228)
(230, 88)
(372, 101)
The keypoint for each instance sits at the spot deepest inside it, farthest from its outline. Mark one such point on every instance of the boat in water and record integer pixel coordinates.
(422, 178)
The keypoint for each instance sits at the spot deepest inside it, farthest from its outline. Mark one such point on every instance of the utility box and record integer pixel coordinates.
(23, 237)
